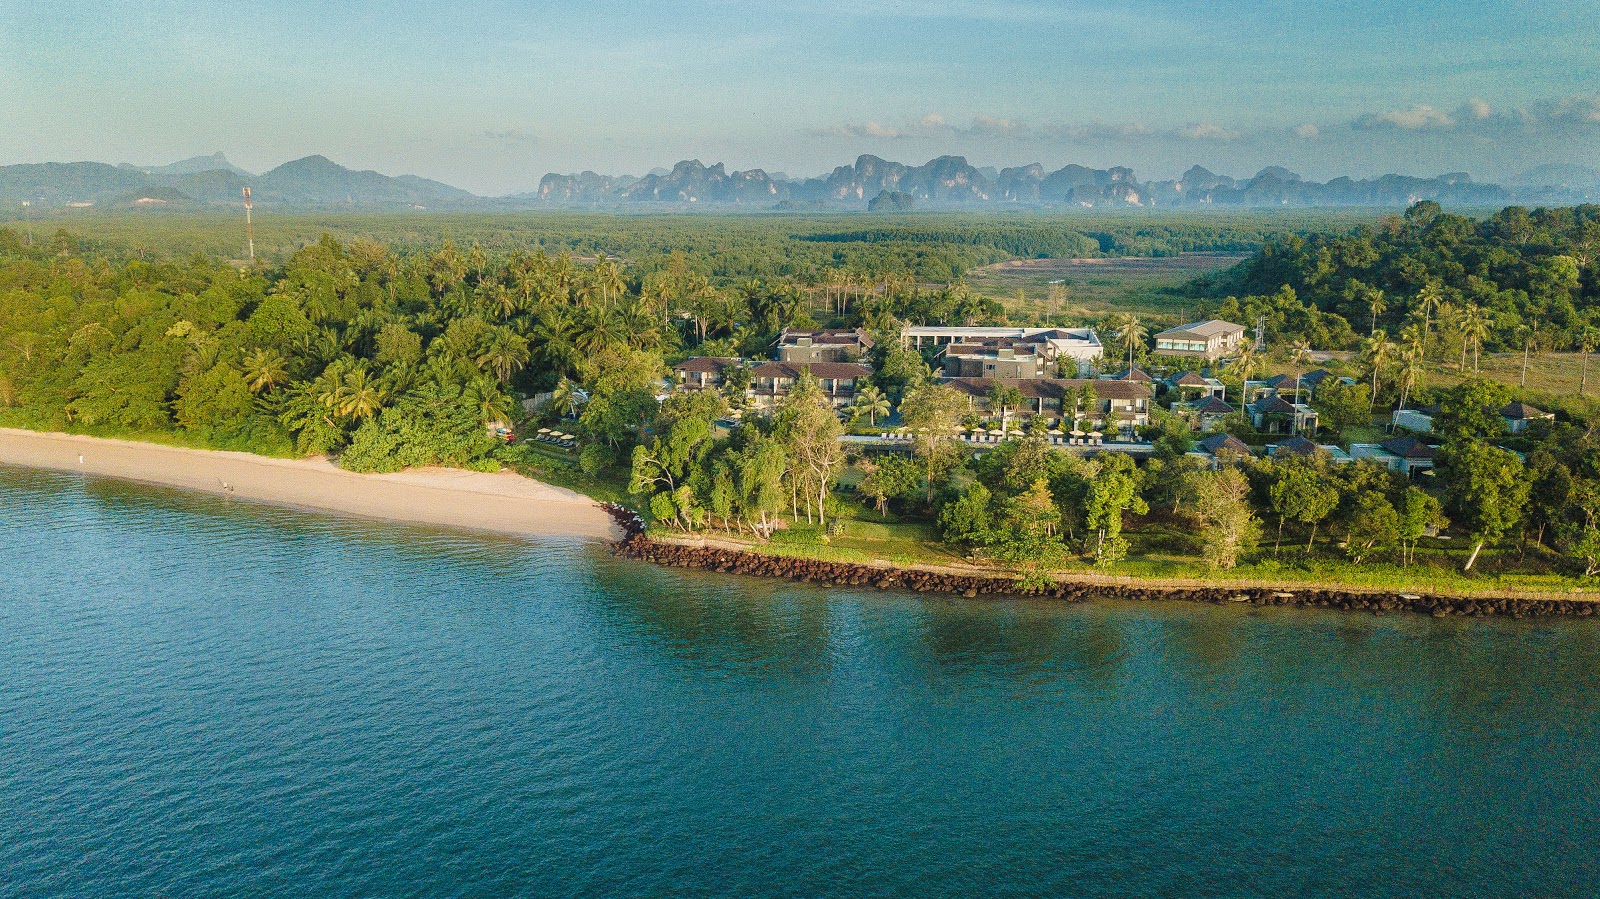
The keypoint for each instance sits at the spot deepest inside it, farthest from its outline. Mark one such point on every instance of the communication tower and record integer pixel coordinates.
(249, 229)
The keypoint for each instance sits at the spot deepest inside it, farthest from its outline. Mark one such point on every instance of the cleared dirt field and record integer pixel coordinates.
(1095, 287)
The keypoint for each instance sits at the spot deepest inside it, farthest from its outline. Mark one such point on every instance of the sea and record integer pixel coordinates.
(202, 697)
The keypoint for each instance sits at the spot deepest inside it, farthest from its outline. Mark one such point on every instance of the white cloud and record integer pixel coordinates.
(1308, 131)
(1206, 131)
(1420, 117)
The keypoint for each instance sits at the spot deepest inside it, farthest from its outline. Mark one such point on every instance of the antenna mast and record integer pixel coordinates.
(249, 228)
(1261, 332)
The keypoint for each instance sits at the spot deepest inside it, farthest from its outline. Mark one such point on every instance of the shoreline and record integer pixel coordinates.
(885, 576)
(501, 503)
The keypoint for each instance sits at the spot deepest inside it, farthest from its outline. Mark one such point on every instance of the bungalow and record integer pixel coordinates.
(826, 345)
(1220, 449)
(1403, 455)
(1315, 379)
(1272, 414)
(1204, 413)
(701, 372)
(1130, 374)
(1193, 385)
(1419, 420)
(772, 381)
(1123, 403)
(1282, 385)
(1300, 446)
(1208, 339)
(1080, 344)
(1519, 415)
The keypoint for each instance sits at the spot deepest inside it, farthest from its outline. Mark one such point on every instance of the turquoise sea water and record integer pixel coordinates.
(205, 698)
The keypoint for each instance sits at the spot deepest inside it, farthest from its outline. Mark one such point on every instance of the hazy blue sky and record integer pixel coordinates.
(489, 95)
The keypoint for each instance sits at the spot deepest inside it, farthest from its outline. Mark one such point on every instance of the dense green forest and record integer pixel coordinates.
(1514, 279)
(387, 358)
(929, 247)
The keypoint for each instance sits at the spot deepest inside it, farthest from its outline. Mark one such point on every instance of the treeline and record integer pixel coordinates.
(1028, 505)
(936, 247)
(1517, 279)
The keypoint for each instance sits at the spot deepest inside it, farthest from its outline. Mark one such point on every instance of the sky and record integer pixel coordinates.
(491, 94)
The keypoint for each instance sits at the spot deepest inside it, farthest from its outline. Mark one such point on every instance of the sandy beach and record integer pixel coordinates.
(502, 503)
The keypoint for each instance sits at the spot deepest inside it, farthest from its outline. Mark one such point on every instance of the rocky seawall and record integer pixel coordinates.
(844, 574)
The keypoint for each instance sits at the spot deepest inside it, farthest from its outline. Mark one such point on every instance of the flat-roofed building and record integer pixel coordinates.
(1206, 340)
(825, 345)
(1079, 344)
(1001, 358)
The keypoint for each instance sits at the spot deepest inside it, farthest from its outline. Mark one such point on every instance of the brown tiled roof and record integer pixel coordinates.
(1210, 405)
(712, 365)
(1271, 404)
(838, 371)
(1408, 448)
(1131, 374)
(1299, 446)
(1220, 442)
(1517, 410)
(1314, 379)
(1189, 379)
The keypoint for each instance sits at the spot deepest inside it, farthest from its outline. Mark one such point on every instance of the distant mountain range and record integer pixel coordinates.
(316, 182)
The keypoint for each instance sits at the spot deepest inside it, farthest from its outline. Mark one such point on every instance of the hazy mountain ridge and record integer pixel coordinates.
(315, 182)
(311, 182)
(950, 181)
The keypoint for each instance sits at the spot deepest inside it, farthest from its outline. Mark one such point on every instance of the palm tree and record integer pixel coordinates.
(506, 354)
(1245, 363)
(491, 402)
(554, 341)
(1474, 331)
(1376, 306)
(1530, 339)
(1413, 356)
(565, 399)
(1377, 351)
(1008, 398)
(870, 402)
(264, 370)
(357, 395)
(1586, 344)
(1132, 334)
(1428, 302)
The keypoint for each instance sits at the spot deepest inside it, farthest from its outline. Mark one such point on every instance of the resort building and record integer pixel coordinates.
(1300, 446)
(772, 381)
(1272, 414)
(1220, 449)
(1419, 420)
(1080, 344)
(1207, 340)
(1204, 413)
(1403, 455)
(1116, 403)
(1519, 415)
(1130, 374)
(827, 345)
(1001, 358)
(1193, 385)
(703, 371)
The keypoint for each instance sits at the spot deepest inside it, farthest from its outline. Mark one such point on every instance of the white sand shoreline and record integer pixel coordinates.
(502, 503)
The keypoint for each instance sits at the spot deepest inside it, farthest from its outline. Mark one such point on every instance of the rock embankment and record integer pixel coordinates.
(844, 574)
